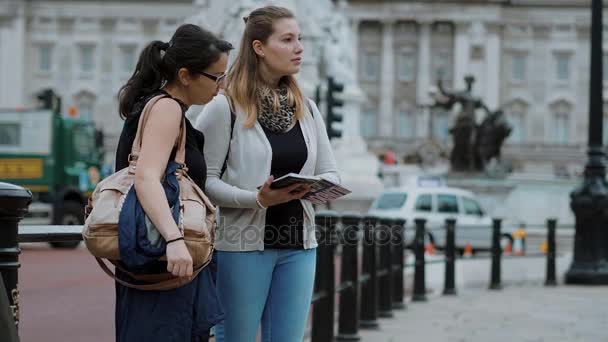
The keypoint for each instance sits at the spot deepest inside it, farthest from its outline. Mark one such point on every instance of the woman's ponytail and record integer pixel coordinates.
(147, 78)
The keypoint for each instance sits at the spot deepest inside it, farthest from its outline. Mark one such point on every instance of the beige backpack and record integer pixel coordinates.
(196, 222)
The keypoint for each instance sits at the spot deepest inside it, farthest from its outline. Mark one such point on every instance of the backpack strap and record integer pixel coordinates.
(232, 122)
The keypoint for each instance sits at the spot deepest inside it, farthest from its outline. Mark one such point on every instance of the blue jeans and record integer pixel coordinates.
(274, 286)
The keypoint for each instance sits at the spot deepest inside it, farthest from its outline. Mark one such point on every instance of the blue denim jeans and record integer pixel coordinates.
(273, 286)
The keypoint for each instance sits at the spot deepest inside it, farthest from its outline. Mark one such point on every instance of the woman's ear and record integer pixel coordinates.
(184, 77)
(258, 48)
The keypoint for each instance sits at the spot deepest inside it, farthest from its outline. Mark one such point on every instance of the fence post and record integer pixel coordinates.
(14, 201)
(551, 281)
(496, 255)
(419, 277)
(348, 318)
(450, 257)
(398, 243)
(385, 282)
(323, 308)
(369, 290)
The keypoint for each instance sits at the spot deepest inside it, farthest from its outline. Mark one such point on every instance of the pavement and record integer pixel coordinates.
(529, 313)
(66, 297)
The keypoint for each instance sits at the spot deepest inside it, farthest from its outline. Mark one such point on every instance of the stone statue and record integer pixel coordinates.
(491, 134)
(474, 145)
(463, 153)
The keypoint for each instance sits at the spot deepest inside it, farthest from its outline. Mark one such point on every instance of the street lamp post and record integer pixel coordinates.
(589, 201)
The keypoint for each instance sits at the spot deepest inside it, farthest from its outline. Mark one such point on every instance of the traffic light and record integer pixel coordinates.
(334, 102)
(49, 100)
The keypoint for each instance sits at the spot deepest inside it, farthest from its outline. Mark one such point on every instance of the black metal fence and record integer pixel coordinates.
(373, 291)
(368, 252)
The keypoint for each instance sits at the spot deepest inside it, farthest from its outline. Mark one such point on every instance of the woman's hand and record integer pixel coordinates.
(269, 197)
(179, 261)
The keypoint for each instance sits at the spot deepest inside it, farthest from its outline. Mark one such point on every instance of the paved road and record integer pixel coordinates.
(531, 313)
(64, 296)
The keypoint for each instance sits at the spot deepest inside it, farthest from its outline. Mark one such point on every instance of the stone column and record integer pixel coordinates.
(387, 81)
(423, 79)
(492, 78)
(12, 58)
(353, 94)
(354, 27)
(462, 54)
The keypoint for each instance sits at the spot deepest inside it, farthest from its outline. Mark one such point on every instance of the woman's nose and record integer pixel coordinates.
(222, 84)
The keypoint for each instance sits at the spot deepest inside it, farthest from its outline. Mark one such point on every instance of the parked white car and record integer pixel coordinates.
(431, 199)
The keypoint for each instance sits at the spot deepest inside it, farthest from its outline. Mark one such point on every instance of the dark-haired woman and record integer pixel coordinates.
(187, 70)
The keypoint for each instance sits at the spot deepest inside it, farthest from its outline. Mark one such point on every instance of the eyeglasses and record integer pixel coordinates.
(217, 79)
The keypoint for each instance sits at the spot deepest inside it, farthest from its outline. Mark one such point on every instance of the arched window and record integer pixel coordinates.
(406, 122)
(561, 122)
(368, 122)
(369, 60)
(516, 116)
(85, 103)
(441, 124)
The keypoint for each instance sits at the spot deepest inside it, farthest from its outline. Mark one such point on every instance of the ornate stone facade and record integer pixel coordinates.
(529, 57)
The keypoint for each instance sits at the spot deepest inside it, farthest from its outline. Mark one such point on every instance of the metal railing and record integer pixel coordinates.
(378, 289)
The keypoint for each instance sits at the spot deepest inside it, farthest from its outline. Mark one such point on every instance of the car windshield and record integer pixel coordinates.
(390, 201)
(471, 207)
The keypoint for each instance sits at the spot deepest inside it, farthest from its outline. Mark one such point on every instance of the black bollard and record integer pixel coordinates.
(398, 244)
(385, 281)
(348, 318)
(419, 277)
(323, 308)
(496, 255)
(369, 289)
(14, 201)
(8, 328)
(551, 280)
(450, 257)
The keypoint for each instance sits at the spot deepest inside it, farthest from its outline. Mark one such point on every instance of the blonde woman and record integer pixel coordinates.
(264, 128)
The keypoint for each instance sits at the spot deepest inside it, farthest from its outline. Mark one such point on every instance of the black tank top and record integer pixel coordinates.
(195, 140)
(285, 222)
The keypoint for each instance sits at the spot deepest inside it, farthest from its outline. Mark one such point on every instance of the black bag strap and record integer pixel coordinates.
(232, 122)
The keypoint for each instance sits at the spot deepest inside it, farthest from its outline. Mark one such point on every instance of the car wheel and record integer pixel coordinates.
(69, 213)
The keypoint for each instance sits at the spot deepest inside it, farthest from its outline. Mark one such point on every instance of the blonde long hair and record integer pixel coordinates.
(244, 78)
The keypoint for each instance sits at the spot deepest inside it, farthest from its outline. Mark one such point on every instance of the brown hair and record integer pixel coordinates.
(244, 78)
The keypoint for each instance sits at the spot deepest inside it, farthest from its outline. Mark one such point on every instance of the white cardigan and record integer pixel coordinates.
(240, 221)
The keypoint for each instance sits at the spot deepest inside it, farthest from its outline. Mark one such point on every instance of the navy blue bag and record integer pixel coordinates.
(138, 240)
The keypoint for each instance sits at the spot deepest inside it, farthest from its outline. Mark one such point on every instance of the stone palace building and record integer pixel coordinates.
(529, 57)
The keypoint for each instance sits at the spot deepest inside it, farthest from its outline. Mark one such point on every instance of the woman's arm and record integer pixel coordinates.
(214, 122)
(159, 136)
(326, 166)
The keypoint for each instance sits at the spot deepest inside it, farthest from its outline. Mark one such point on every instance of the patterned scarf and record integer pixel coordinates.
(276, 122)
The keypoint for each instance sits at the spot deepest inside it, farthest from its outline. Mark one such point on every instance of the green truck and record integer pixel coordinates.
(57, 157)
